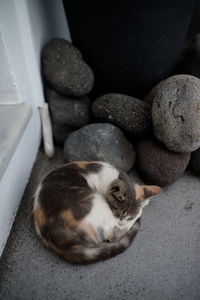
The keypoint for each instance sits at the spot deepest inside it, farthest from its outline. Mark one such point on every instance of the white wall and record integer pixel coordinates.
(9, 89)
(48, 21)
(25, 26)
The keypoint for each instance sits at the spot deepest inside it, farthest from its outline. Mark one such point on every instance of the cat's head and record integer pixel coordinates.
(127, 199)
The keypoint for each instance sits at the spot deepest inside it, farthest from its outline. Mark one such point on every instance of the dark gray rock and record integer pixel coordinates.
(60, 133)
(194, 164)
(65, 70)
(101, 142)
(190, 61)
(65, 110)
(158, 165)
(67, 114)
(176, 113)
(130, 114)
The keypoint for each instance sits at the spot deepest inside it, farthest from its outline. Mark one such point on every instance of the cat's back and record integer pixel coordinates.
(71, 186)
(61, 201)
(62, 189)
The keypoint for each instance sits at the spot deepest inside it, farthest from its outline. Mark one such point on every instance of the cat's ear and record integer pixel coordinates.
(144, 192)
(117, 189)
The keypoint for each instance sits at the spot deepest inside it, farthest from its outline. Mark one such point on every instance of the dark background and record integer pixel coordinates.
(130, 45)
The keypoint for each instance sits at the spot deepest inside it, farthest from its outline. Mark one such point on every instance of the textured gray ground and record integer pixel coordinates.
(163, 262)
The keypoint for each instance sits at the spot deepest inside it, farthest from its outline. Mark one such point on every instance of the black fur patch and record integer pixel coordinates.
(92, 168)
(62, 234)
(62, 189)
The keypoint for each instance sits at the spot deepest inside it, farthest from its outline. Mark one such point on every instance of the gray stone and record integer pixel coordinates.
(65, 70)
(176, 113)
(67, 114)
(101, 142)
(130, 114)
(65, 110)
(158, 165)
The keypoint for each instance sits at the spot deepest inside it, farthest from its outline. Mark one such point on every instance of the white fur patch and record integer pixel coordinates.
(37, 230)
(146, 202)
(101, 215)
(36, 196)
(101, 181)
(91, 252)
(35, 202)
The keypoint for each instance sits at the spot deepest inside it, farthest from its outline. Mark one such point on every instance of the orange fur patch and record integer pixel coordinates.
(90, 231)
(139, 192)
(82, 164)
(49, 244)
(69, 255)
(68, 216)
(154, 189)
(146, 191)
(39, 215)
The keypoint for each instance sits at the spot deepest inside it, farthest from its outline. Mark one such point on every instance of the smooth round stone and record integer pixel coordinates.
(130, 114)
(176, 113)
(158, 165)
(194, 164)
(101, 142)
(151, 94)
(67, 114)
(65, 70)
(65, 110)
(190, 61)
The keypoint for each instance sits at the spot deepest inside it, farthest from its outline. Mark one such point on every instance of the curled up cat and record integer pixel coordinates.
(89, 211)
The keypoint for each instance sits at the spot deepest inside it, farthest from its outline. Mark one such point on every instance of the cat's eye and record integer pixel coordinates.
(115, 189)
(106, 241)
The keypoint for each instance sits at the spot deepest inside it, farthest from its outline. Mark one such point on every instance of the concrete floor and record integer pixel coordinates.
(162, 263)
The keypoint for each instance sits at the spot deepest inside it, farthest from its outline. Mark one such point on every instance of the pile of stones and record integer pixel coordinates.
(160, 134)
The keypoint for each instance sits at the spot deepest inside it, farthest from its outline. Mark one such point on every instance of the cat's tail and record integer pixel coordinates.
(93, 253)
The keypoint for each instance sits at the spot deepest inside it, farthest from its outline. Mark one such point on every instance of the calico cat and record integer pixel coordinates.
(89, 211)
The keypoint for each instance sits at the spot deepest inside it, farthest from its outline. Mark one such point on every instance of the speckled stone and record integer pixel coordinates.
(65, 70)
(130, 114)
(158, 165)
(101, 142)
(176, 113)
(67, 114)
(190, 61)
(194, 164)
(151, 94)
